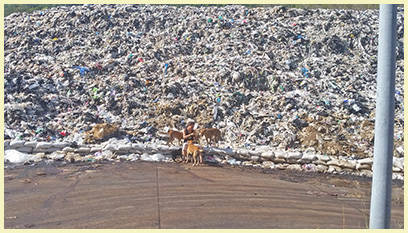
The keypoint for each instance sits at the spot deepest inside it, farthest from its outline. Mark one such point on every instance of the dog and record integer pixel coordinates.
(195, 151)
(173, 134)
(211, 134)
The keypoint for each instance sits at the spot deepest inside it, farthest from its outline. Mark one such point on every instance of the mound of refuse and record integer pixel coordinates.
(287, 78)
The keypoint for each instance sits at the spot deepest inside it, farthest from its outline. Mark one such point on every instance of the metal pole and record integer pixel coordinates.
(380, 209)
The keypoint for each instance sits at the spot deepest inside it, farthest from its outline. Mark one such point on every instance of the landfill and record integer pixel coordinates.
(288, 78)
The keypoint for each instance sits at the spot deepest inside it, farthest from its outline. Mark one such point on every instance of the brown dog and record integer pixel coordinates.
(195, 151)
(211, 134)
(174, 135)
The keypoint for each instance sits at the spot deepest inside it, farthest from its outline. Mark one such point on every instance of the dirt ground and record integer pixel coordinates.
(171, 195)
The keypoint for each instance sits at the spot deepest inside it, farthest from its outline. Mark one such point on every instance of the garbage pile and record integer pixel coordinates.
(288, 78)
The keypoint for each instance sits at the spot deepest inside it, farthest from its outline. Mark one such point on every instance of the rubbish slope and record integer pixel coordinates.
(288, 78)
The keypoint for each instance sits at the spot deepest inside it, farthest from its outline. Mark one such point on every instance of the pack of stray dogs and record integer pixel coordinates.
(191, 141)
(190, 137)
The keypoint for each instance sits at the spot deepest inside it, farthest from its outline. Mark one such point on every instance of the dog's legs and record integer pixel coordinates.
(187, 157)
(171, 141)
(196, 157)
(201, 158)
(216, 140)
(184, 156)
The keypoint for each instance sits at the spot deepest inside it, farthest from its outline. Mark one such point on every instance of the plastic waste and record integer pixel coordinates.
(265, 76)
(14, 156)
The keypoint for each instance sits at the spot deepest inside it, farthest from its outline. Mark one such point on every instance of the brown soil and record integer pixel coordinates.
(171, 195)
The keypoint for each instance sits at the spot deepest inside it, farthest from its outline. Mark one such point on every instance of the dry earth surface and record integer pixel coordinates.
(171, 195)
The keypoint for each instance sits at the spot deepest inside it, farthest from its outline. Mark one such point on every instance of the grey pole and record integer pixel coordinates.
(380, 209)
